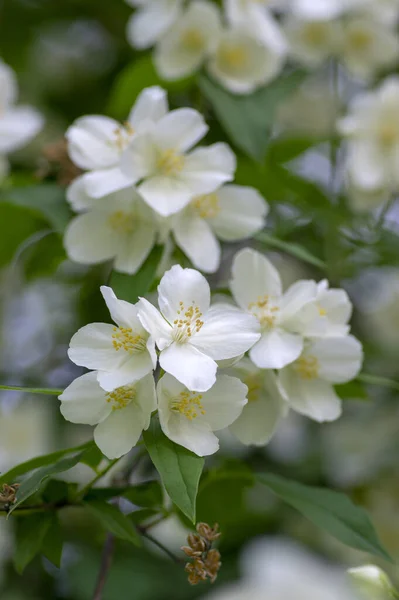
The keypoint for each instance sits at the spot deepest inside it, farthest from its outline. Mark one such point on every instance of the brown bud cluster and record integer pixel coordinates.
(205, 562)
(55, 162)
(8, 493)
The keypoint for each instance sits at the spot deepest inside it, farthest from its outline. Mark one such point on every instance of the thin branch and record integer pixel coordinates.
(106, 561)
(82, 493)
(29, 390)
(154, 541)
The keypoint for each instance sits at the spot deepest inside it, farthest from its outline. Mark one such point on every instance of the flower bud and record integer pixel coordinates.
(373, 583)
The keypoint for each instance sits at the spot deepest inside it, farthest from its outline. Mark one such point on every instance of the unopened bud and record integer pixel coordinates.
(373, 583)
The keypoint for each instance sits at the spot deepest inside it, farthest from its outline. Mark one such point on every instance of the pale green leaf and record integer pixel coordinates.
(114, 521)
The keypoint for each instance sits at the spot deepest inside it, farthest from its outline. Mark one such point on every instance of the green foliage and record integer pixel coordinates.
(53, 542)
(130, 287)
(180, 470)
(113, 520)
(291, 248)
(16, 225)
(31, 533)
(330, 510)
(146, 495)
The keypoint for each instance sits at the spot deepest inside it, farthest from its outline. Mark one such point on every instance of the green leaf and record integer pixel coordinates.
(247, 120)
(53, 542)
(130, 287)
(146, 495)
(31, 532)
(33, 483)
(290, 248)
(44, 256)
(144, 514)
(40, 461)
(284, 149)
(179, 469)
(47, 200)
(114, 521)
(330, 510)
(16, 225)
(353, 390)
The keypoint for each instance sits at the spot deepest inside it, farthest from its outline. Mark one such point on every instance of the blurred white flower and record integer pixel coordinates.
(256, 16)
(266, 406)
(231, 213)
(120, 226)
(257, 289)
(151, 20)
(189, 333)
(190, 40)
(120, 415)
(96, 143)
(18, 124)
(242, 62)
(322, 9)
(334, 308)
(121, 355)
(190, 418)
(307, 384)
(373, 583)
(169, 176)
(312, 42)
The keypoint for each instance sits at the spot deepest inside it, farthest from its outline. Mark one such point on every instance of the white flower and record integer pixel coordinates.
(257, 288)
(96, 143)
(368, 46)
(307, 383)
(191, 39)
(120, 415)
(119, 226)
(266, 406)
(190, 418)
(312, 42)
(242, 62)
(372, 128)
(122, 354)
(151, 20)
(334, 310)
(231, 213)
(18, 124)
(190, 334)
(170, 177)
(372, 582)
(320, 10)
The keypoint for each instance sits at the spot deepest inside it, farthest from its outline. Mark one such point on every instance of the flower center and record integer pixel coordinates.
(189, 323)
(188, 404)
(265, 311)
(387, 134)
(315, 34)
(170, 163)
(322, 311)
(359, 40)
(121, 397)
(233, 58)
(123, 135)
(122, 222)
(123, 338)
(192, 40)
(307, 367)
(254, 385)
(207, 206)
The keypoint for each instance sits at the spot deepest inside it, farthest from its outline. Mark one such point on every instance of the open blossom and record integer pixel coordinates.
(167, 175)
(190, 40)
(96, 143)
(119, 226)
(322, 9)
(334, 310)
(190, 418)
(312, 42)
(120, 354)
(18, 124)
(151, 20)
(307, 384)
(190, 334)
(242, 62)
(257, 289)
(231, 213)
(256, 16)
(120, 415)
(266, 406)
(372, 129)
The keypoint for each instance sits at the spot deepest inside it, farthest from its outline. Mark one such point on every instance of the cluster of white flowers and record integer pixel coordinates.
(18, 124)
(145, 183)
(302, 334)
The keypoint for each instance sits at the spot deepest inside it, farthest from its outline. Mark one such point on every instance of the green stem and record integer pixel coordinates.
(29, 390)
(82, 493)
(380, 381)
(154, 541)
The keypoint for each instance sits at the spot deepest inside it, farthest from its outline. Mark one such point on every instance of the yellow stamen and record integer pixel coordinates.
(121, 397)
(170, 163)
(123, 338)
(233, 57)
(254, 385)
(322, 311)
(315, 34)
(188, 404)
(264, 311)
(189, 323)
(192, 39)
(307, 367)
(207, 206)
(122, 222)
(359, 40)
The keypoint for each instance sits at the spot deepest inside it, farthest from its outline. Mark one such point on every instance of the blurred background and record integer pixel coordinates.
(72, 58)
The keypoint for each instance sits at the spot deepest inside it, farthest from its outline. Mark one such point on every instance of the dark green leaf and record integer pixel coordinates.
(16, 225)
(290, 248)
(330, 510)
(47, 200)
(284, 149)
(354, 390)
(31, 532)
(179, 469)
(144, 514)
(147, 495)
(130, 287)
(92, 457)
(44, 256)
(56, 491)
(114, 521)
(53, 542)
(40, 461)
(247, 120)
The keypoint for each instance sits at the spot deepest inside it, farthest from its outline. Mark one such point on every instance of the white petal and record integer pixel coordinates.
(8, 86)
(340, 359)
(91, 347)
(180, 129)
(120, 432)
(185, 286)
(192, 368)
(89, 238)
(313, 398)
(226, 333)
(196, 437)
(151, 104)
(148, 24)
(106, 181)
(296, 297)
(133, 369)
(92, 142)
(224, 402)
(140, 157)
(135, 248)
(242, 213)
(254, 276)
(83, 401)
(276, 349)
(206, 169)
(77, 195)
(366, 165)
(146, 397)
(194, 236)
(166, 195)
(153, 322)
(18, 126)
(123, 313)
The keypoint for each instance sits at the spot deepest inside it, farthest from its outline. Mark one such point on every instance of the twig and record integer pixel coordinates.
(106, 561)
(82, 493)
(154, 541)
(29, 390)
